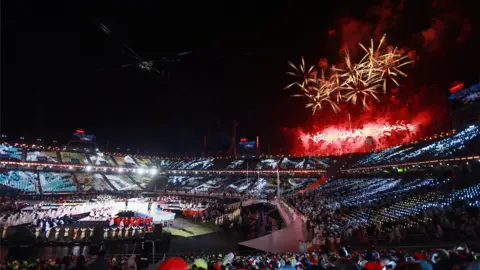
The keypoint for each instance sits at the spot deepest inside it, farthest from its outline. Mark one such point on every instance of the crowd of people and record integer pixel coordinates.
(340, 212)
(359, 209)
(129, 221)
(75, 263)
(199, 209)
(460, 257)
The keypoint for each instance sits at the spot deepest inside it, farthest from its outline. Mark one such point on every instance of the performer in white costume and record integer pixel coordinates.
(37, 232)
(105, 233)
(128, 231)
(65, 234)
(47, 234)
(82, 235)
(57, 232)
(4, 233)
(134, 231)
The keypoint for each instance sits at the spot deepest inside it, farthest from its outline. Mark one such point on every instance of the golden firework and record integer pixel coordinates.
(383, 63)
(301, 73)
(357, 81)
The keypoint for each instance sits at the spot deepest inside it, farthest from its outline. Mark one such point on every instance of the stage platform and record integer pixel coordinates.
(284, 240)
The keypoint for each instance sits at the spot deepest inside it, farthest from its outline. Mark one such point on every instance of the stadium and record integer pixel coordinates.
(383, 175)
(390, 197)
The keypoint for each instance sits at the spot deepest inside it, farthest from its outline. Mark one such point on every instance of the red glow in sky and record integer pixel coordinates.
(340, 138)
(395, 120)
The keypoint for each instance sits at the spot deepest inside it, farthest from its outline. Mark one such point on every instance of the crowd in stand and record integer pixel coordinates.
(456, 258)
(341, 211)
(356, 209)
(75, 263)
(10, 204)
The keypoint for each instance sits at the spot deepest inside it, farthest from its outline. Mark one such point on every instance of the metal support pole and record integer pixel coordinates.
(153, 250)
(278, 183)
(247, 171)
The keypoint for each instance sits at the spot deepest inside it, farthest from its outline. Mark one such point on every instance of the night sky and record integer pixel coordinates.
(52, 53)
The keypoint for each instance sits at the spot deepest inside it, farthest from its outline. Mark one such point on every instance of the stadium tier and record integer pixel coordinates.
(69, 182)
(461, 144)
(19, 155)
(454, 144)
(49, 171)
(396, 196)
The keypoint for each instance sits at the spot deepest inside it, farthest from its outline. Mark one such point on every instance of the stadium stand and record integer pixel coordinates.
(426, 191)
(458, 144)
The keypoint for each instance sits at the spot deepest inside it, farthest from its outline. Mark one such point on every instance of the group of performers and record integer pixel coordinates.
(45, 225)
(68, 234)
(119, 233)
(228, 218)
(83, 234)
(192, 213)
(127, 222)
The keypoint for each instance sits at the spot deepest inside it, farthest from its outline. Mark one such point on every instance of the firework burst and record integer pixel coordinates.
(359, 82)
(383, 63)
(320, 90)
(356, 82)
(301, 73)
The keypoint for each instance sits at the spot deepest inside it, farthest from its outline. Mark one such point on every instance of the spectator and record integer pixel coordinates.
(100, 263)
(176, 263)
(80, 263)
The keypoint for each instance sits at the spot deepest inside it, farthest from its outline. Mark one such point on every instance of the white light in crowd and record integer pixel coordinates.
(140, 171)
(153, 171)
(88, 168)
(70, 167)
(120, 170)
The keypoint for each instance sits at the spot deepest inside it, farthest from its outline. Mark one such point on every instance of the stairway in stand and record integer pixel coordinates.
(284, 240)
